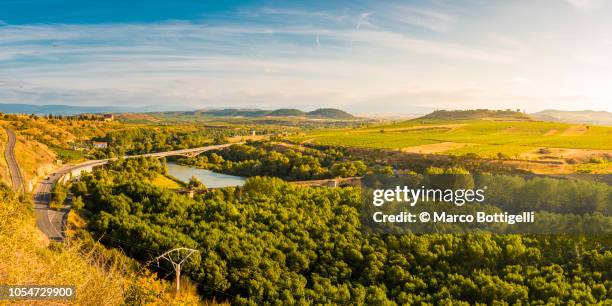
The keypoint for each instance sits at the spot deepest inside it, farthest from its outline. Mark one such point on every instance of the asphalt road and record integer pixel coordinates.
(51, 222)
(9, 153)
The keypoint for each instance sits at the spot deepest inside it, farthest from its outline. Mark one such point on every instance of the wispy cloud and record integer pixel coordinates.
(363, 19)
(423, 17)
(195, 39)
(356, 57)
(194, 64)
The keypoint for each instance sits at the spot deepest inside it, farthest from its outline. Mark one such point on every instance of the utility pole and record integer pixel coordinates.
(177, 257)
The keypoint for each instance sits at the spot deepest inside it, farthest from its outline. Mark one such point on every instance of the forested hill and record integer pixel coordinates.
(478, 114)
(284, 112)
(76, 109)
(274, 243)
(325, 113)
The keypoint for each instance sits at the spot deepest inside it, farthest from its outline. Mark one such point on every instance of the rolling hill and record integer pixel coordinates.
(287, 112)
(227, 112)
(330, 113)
(585, 116)
(326, 113)
(555, 147)
(75, 109)
(321, 113)
(472, 114)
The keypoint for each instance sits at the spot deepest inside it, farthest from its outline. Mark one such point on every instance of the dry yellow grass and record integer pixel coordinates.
(579, 155)
(57, 132)
(35, 134)
(575, 130)
(5, 176)
(550, 132)
(35, 160)
(26, 259)
(449, 127)
(435, 147)
(245, 138)
(99, 278)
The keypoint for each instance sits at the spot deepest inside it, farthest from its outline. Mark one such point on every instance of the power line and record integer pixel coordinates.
(177, 257)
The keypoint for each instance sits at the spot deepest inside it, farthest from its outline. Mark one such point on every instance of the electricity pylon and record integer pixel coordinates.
(177, 257)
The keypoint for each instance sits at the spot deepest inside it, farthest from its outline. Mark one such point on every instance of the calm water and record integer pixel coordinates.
(209, 178)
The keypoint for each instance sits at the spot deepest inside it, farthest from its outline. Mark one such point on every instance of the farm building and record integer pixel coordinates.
(100, 144)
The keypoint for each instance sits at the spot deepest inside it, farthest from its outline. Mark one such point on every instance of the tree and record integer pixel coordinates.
(195, 183)
(77, 203)
(272, 242)
(58, 196)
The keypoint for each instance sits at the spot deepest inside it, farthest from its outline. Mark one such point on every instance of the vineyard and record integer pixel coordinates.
(478, 136)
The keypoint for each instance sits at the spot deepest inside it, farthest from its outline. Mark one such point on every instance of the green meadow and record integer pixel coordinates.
(483, 137)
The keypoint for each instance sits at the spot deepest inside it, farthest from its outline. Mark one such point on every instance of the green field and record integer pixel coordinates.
(485, 138)
(167, 182)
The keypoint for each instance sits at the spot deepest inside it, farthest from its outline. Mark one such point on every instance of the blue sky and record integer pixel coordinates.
(362, 56)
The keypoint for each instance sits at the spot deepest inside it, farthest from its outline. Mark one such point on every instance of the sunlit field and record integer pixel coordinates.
(479, 136)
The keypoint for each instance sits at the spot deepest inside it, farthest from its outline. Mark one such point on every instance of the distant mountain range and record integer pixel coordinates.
(585, 116)
(327, 113)
(324, 113)
(75, 109)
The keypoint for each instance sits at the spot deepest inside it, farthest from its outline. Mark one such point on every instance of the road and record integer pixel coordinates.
(51, 222)
(9, 153)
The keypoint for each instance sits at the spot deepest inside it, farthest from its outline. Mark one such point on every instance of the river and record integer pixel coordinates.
(209, 178)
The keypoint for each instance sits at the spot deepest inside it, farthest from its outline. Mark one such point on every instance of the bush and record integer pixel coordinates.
(544, 151)
(596, 160)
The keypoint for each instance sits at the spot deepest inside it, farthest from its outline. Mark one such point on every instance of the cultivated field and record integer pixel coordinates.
(572, 144)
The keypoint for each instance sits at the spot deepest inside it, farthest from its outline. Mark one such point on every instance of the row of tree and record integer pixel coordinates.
(269, 159)
(144, 140)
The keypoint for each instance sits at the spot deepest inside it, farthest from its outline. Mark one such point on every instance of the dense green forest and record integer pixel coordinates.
(560, 205)
(271, 242)
(144, 140)
(269, 159)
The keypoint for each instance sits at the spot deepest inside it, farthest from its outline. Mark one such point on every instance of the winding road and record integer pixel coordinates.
(9, 154)
(51, 222)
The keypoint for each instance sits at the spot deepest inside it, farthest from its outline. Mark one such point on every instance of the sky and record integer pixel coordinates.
(360, 56)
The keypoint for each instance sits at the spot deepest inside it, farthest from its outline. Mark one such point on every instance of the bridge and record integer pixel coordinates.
(333, 182)
(51, 222)
(76, 170)
(186, 152)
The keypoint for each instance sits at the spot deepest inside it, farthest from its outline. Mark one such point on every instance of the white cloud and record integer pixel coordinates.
(184, 39)
(363, 20)
(303, 59)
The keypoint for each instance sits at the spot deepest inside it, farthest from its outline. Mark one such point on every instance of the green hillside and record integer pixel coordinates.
(325, 113)
(330, 113)
(229, 112)
(286, 112)
(477, 114)
(512, 139)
